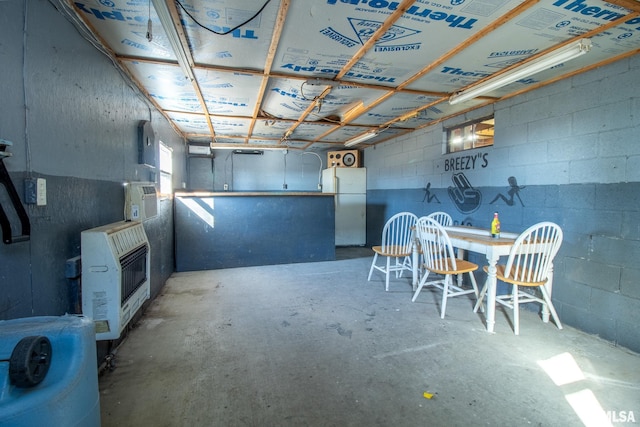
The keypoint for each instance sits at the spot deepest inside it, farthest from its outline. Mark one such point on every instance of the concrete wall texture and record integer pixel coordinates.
(73, 121)
(573, 150)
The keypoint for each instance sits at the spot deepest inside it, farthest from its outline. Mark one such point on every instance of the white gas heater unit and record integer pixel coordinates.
(115, 275)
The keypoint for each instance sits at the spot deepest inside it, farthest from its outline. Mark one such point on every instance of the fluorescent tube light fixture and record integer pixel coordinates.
(544, 62)
(174, 39)
(360, 138)
(258, 152)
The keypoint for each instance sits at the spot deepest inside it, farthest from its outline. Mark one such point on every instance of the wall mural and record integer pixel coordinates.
(466, 198)
(428, 196)
(514, 191)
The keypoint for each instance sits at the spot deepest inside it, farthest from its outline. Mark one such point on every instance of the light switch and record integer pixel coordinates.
(41, 192)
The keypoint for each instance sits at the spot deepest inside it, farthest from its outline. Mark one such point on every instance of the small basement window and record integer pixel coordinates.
(470, 135)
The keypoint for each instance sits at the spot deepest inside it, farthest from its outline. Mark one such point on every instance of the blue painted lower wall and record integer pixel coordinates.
(596, 282)
(33, 272)
(227, 231)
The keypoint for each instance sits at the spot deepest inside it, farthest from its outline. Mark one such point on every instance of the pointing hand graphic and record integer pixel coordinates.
(466, 198)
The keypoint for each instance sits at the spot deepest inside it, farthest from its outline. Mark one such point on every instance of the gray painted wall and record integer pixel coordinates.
(73, 120)
(267, 172)
(574, 151)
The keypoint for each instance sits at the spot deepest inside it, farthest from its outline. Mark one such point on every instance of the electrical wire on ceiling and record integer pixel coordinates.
(228, 31)
(320, 100)
(68, 12)
(302, 93)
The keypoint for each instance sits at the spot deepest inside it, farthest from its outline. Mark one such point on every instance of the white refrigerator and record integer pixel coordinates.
(350, 188)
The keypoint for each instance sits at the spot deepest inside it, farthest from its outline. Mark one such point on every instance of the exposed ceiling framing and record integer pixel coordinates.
(313, 74)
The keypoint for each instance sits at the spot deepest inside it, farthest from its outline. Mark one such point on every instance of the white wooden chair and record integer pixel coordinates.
(397, 244)
(439, 259)
(442, 218)
(529, 265)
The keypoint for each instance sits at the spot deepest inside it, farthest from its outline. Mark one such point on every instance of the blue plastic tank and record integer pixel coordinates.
(48, 372)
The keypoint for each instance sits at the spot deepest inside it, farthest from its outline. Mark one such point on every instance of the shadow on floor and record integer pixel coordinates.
(352, 252)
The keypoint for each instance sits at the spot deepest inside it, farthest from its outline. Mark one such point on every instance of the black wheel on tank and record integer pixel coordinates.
(30, 361)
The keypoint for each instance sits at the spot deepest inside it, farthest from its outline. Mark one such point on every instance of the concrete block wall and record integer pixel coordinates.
(73, 121)
(573, 148)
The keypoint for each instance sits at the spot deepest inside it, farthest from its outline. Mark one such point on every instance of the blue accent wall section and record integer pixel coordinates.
(596, 279)
(214, 232)
(33, 271)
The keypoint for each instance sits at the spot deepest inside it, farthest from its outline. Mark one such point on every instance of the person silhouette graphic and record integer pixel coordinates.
(514, 191)
(428, 196)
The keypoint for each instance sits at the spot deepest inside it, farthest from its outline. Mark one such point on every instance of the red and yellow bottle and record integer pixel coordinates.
(495, 226)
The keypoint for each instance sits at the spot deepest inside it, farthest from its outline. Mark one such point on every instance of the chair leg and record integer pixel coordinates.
(373, 263)
(405, 265)
(516, 311)
(475, 290)
(420, 286)
(480, 298)
(386, 286)
(552, 309)
(445, 292)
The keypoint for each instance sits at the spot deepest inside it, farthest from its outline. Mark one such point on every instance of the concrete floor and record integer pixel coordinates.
(317, 345)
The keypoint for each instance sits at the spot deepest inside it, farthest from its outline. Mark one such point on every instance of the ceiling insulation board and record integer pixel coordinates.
(398, 105)
(427, 30)
(275, 129)
(327, 34)
(230, 126)
(166, 85)
(288, 98)
(189, 123)
(245, 47)
(232, 94)
(536, 30)
(122, 25)
(251, 83)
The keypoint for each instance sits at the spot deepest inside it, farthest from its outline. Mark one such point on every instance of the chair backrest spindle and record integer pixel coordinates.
(436, 246)
(532, 254)
(397, 233)
(442, 218)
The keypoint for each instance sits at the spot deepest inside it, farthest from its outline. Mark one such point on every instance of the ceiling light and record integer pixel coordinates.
(258, 152)
(360, 138)
(542, 63)
(172, 34)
